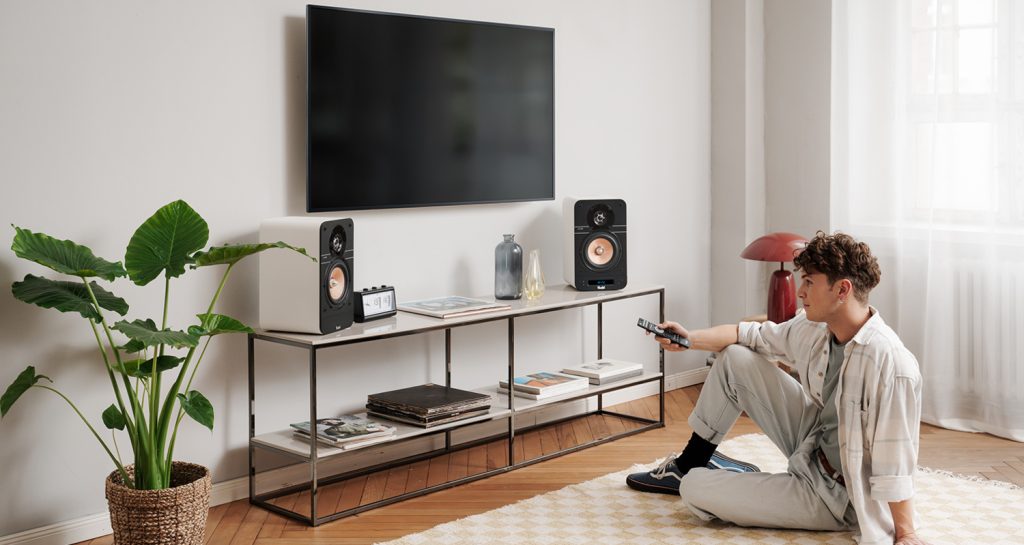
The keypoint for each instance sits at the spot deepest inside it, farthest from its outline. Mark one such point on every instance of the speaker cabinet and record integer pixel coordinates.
(301, 295)
(595, 243)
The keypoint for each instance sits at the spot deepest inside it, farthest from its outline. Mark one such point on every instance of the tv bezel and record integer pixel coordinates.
(309, 204)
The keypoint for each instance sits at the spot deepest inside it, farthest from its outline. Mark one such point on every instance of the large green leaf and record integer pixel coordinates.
(132, 346)
(229, 254)
(147, 333)
(67, 296)
(198, 407)
(113, 419)
(216, 324)
(63, 256)
(26, 379)
(143, 368)
(164, 242)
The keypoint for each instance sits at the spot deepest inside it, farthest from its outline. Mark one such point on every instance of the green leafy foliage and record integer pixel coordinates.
(233, 253)
(26, 379)
(63, 256)
(216, 324)
(198, 407)
(67, 296)
(143, 368)
(165, 242)
(113, 419)
(145, 332)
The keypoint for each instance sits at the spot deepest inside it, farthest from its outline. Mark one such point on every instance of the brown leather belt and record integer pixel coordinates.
(836, 475)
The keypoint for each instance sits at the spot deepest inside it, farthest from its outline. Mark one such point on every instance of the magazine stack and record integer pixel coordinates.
(347, 431)
(605, 371)
(544, 385)
(428, 405)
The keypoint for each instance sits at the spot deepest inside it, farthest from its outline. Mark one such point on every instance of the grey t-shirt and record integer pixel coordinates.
(829, 418)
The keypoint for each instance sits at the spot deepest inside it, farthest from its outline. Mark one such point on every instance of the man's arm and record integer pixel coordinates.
(712, 339)
(903, 520)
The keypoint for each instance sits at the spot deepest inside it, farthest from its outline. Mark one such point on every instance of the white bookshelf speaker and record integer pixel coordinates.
(594, 255)
(298, 294)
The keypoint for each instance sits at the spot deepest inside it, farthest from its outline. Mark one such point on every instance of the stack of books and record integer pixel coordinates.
(347, 431)
(543, 385)
(428, 405)
(605, 371)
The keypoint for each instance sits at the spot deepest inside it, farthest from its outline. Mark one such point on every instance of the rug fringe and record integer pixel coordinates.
(972, 478)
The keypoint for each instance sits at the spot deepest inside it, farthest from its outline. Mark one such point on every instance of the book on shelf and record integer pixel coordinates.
(429, 399)
(537, 397)
(429, 422)
(604, 371)
(451, 306)
(344, 428)
(546, 383)
(348, 445)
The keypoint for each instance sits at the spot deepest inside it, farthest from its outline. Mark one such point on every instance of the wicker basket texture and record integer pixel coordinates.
(172, 516)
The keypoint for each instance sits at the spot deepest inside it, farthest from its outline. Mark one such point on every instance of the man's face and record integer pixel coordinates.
(819, 298)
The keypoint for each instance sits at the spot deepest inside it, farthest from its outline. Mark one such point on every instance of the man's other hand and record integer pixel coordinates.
(910, 539)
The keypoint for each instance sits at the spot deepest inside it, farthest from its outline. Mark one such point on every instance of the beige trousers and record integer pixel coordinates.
(804, 497)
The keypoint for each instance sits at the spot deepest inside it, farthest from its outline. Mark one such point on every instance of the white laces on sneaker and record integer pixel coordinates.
(662, 470)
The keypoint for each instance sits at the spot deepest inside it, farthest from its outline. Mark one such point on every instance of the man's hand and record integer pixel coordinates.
(910, 539)
(675, 328)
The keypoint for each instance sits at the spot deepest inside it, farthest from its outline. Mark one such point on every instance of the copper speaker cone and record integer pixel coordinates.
(336, 284)
(600, 252)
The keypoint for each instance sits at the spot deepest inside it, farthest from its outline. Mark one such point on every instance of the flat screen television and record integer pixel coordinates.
(420, 111)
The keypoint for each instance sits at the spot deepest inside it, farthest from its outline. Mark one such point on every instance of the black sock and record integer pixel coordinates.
(696, 454)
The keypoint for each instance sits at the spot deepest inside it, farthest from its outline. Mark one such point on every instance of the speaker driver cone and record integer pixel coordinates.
(337, 284)
(600, 251)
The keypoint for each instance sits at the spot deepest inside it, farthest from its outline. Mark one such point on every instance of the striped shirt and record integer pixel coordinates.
(878, 401)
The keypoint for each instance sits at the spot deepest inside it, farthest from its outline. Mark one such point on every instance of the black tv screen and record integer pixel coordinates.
(419, 111)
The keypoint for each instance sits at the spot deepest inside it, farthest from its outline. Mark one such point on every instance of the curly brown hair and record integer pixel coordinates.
(840, 256)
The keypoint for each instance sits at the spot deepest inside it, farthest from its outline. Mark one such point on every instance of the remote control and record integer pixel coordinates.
(659, 332)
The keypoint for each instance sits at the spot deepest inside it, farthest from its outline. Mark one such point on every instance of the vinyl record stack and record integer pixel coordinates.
(428, 405)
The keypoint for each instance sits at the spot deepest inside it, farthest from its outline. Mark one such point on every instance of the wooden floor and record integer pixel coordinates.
(238, 523)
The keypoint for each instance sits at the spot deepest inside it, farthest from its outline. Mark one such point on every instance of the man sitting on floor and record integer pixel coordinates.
(849, 426)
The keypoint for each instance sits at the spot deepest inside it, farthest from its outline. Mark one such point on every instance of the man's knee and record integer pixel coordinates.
(694, 486)
(735, 357)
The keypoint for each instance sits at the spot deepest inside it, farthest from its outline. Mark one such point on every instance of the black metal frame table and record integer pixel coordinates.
(556, 298)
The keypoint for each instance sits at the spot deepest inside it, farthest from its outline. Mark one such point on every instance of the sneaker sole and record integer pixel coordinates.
(648, 487)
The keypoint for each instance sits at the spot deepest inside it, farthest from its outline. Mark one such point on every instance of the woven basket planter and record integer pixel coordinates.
(172, 516)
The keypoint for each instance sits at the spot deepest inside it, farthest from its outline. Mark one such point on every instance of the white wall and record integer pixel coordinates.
(737, 157)
(797, 45)
(111, 109)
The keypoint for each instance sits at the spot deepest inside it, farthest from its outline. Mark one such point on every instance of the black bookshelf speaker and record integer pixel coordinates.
(302, 295)
(595, 243)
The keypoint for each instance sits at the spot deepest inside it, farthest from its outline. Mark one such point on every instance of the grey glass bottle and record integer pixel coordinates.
(508, 269)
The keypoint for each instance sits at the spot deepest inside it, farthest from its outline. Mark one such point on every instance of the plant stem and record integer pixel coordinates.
(165, 414)
(143, 444)
(120, 468)
(113, 382)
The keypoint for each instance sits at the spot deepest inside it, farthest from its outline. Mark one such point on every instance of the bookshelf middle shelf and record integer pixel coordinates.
(286, 442)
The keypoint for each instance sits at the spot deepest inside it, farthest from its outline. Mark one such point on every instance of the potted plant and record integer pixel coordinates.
(155, 499)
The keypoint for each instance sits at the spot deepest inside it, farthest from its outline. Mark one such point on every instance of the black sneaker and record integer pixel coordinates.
(664, 479)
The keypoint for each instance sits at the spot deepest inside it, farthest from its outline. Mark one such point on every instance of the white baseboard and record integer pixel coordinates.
(93, 526)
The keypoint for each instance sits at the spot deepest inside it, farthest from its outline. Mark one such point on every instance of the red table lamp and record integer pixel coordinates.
(781, 247)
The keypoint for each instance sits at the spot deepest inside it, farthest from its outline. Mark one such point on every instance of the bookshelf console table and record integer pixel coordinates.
(317, 498)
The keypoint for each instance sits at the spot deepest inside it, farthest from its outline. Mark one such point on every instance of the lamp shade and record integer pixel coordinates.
(774, 247)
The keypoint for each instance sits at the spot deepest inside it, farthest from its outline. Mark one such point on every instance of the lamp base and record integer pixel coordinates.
(781, 296)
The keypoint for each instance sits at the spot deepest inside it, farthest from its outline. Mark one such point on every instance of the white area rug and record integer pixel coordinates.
(603, 511)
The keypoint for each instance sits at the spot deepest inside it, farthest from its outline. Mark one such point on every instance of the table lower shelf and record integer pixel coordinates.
(285, 442)
(347, 495)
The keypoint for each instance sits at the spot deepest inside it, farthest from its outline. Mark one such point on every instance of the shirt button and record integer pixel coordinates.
(819, 374)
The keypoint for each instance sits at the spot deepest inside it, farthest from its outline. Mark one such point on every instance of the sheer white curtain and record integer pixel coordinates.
(928, 167)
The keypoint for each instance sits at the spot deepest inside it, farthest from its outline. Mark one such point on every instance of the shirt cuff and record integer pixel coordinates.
(746, 331)
(892, 488)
